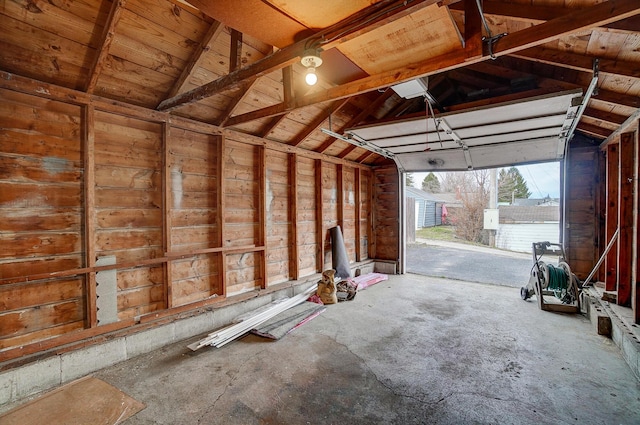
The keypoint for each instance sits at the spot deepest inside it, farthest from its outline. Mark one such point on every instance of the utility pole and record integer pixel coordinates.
(493, 201)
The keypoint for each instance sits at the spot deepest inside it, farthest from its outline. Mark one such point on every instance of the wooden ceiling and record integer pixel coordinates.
(236, 64)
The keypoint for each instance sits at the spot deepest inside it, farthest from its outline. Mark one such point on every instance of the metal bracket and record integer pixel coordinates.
(491, 41)
(596, 70)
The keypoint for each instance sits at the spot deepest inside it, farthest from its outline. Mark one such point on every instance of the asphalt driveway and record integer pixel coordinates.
(470, 263)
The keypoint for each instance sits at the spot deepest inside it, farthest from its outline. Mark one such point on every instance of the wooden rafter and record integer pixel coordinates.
(616, 98)
(243, 92)
(472, 29)
(346, 151)
(609, 117)
(287, 85)
(357, 119)
(196, 57)
(339, 33)
(538, 13)
(579, 62)
(597, 15)
(594, 130)
(235, 54)
(272, 125)
(105, 42)
(317, 122)
(364, 156)
(518, 67)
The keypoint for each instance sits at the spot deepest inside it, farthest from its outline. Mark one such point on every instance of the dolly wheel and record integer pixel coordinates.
(524, 293)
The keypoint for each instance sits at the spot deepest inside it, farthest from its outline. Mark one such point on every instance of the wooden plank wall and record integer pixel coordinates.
(386, 218)
(306, 216)
(581, 237)
(279, 213)
(192, 214)
(41, 216)
(193, 210)
(128, 207)
(620, 178)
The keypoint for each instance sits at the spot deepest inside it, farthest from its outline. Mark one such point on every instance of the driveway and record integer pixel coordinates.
(468, 262)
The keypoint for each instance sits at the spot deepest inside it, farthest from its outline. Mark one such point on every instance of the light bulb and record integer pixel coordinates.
(311, 78)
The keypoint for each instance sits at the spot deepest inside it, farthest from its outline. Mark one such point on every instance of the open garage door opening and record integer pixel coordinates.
(480, 225)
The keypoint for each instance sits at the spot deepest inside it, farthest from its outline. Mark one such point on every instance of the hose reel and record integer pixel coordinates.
(553, 280)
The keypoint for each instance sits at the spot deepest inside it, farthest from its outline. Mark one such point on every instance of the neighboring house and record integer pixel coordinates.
(520, 226)
(428, 208)
(452, 203)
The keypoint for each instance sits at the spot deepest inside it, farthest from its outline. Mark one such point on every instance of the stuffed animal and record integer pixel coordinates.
(327, 287)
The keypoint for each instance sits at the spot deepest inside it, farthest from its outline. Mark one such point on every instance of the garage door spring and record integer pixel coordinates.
(558, 281)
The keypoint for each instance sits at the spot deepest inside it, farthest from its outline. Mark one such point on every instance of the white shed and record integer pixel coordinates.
(520, 226)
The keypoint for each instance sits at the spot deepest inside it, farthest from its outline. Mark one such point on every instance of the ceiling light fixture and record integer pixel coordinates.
(311, 60)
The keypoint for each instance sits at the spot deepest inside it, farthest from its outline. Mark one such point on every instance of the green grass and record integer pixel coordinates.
(441, 233)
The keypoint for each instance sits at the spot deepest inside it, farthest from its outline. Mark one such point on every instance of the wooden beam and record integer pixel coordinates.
(287, 85)
(264, 132)
(317, 121)
(626, 184)
(517, 66)
(267, 112)
(608, 117)
(327, 38)
(105, 43)
(220, 210)
(632, 122)
(347, 151)
(262, 213)
(196, 57)
(594, 130)
(554, 29)
(88, 141)
(357, 187)
(373, 106)
(364, 156)
(583, 19)
(536, 14)
(166, 213)
(616, 98)
(578, 62)
(319, 218)
(264, 66)
(611, 224)
(242, 93)
(294, 261)
(235, 51)
(472, 29)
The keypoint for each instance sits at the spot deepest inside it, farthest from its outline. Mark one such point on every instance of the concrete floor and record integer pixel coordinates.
(411, 350)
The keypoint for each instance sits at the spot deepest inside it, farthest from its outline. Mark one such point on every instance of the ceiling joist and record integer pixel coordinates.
(597, 15)
(328, 38)
(108, 33)
(579, 62)
(196, 57)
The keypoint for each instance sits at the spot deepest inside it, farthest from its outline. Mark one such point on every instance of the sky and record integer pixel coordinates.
(542, 179)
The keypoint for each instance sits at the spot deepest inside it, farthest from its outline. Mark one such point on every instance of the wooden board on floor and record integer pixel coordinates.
(84, 401)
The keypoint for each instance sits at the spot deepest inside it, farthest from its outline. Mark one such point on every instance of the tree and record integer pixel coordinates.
(472, 190)
(431, 183)
(512, 185)
(409, 180)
